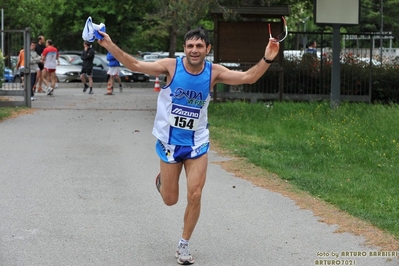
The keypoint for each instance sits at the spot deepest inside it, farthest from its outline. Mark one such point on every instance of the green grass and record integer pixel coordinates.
(348, 156)
(6, 112)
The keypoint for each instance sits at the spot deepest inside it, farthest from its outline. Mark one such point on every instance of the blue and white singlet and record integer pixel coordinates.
(182, 117)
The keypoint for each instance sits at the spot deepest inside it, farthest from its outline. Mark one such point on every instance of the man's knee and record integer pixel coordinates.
(194, 197)
(170, 200)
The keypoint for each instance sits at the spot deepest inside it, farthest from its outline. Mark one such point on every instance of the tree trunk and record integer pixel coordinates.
(173, 37)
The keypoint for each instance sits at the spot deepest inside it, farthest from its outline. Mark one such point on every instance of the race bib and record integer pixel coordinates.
(184, 117)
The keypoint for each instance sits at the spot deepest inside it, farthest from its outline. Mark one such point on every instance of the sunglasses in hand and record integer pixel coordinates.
(281, 37)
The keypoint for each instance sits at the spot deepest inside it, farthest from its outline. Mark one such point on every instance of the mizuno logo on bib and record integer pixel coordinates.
(184, 117)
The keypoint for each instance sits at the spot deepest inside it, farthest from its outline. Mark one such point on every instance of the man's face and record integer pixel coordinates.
(41, 40)
(196, 51)
(32, 46)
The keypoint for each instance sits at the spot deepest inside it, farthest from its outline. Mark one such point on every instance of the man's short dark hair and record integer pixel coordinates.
(50, 42)
(197, 34)
(87, 43)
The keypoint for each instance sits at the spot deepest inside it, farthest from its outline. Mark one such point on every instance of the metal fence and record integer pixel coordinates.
(14, 92)
(305, 76)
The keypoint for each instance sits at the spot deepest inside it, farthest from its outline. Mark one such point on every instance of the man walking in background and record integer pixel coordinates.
(113, 71)
(21, 66)
(87, 66)
(34, 68)
(50, 60)
(39, 50)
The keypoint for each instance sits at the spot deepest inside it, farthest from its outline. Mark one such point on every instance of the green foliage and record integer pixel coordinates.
(172, 20)
(311, 76)
(386, 84)
(348, 156)
(159, 24)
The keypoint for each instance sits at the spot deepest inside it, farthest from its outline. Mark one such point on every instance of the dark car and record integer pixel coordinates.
(99, 71)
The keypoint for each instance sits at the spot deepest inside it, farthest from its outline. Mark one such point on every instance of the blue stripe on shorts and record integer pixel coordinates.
(175, 153)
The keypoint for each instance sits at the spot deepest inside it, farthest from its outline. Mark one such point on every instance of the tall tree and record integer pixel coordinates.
(20, 14)
(174, 18)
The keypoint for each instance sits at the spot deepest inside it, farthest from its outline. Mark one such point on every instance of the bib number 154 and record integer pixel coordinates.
(183, 122)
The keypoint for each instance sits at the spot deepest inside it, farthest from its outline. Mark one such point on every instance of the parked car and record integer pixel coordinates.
(17, 76)
(161, 77)
(100, 69)
(67, 72)
(366, 60)
(69, 57)
(99, 72)
(126, 74)
(8, 76)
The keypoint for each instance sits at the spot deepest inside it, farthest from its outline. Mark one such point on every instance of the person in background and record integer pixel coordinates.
(87, 66)
(35, 59)
(40, 45)
(181, 120)
(311, 48)
(113, 71)
(50, 60)
(21, 65)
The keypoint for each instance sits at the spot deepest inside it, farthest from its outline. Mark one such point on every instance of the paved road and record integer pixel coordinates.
(77, 188)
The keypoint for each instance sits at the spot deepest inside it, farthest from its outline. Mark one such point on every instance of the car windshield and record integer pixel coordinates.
(63, 62)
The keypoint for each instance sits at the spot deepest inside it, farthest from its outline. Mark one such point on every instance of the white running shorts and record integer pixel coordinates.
(113, 71)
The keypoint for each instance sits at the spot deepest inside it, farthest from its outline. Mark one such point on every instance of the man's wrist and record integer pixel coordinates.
(267, 60)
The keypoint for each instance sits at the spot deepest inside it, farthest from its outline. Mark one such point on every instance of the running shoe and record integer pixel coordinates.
(158, 182)
(85, 87)
(50, 91)
(183, 255)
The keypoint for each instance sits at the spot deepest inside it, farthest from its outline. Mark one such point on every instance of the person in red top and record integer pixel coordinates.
(50, 60)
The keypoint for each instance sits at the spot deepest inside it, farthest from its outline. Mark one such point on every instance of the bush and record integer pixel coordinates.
(313, 76)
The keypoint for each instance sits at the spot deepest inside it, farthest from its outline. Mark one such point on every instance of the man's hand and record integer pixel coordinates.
(272, 49)
(106, 41)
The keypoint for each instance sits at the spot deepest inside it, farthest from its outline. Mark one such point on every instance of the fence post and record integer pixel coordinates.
(26, 69)
(336, 68)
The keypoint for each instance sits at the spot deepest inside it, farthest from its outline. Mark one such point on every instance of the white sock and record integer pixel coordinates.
(183, 241)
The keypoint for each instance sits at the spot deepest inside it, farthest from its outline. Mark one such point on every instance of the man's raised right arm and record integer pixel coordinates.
(152, 68)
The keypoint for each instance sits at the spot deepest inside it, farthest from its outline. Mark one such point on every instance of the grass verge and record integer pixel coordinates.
(347, 157)
(11, 112)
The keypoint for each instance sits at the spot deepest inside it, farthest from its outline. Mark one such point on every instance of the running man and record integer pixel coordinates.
(181, 121)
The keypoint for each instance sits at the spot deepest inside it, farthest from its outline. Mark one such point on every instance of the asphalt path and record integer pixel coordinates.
(77, 188)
